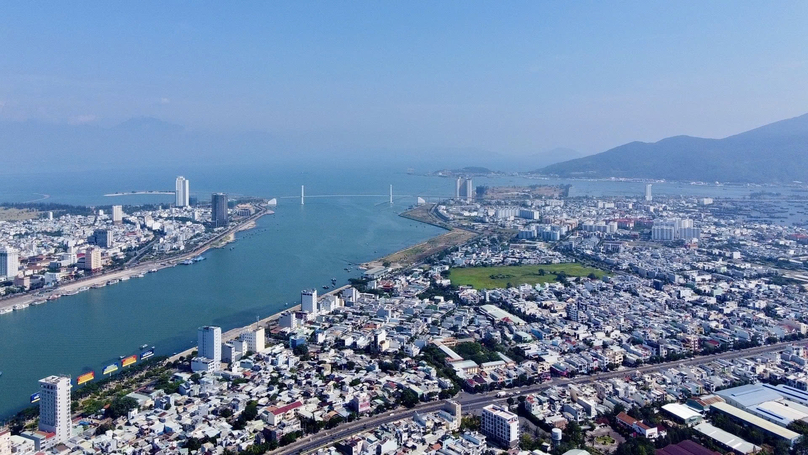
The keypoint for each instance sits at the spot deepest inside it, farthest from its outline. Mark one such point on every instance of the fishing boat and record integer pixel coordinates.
(144, 346)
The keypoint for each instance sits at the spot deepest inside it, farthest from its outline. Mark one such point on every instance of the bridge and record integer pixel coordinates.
(303, 196)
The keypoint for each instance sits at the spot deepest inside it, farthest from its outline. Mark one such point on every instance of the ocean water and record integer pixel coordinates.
(264, 271)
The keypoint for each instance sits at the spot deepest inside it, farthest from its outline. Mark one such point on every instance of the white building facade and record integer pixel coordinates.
(54, 406)
(182, 192)
(9, 262)
(500, 425)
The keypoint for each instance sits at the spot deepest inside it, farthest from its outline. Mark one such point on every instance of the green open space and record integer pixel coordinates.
(500, 277)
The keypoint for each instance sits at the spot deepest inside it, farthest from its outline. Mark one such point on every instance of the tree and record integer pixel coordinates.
(409, 398)
(121, 406)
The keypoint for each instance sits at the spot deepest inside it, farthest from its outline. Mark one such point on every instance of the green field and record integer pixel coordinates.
(499, 277)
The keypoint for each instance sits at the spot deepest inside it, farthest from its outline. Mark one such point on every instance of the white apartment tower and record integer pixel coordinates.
(182, 192)
(469, 191)
(308, 301)
(458, 186)
(255, 339)
(209, 339)
(117, 214)
(500, 425)
(54, 406)
(9, 262)
(648, 196)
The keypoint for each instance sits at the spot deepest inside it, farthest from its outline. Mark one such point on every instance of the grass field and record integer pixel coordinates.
(12, 214)
(499, 277)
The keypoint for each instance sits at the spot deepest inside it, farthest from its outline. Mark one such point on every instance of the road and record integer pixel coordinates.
(474, 402)
(72, 286)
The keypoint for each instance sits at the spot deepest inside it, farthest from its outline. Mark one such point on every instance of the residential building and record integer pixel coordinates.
(117, 214)
(92, 259)
(255, 339)
(500, 425)
(182, 192)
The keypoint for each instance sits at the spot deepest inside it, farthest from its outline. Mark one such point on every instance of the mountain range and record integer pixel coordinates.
(777, 152)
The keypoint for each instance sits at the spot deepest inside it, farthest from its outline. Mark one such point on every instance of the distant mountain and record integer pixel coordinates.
(777, 152)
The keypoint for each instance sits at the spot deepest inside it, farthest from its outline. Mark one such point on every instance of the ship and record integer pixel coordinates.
(144, 347)
(187, 262)
(199, 258)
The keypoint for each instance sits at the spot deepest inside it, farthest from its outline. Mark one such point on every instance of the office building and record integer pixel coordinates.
(308, 301)
(102, 238)
(500, 425)
(209, 340)
(92, 259)
(218, 209)
(9, 262)
(255, 339)
(54, 406)
(648, 196)
(117, 214)
(182, 192)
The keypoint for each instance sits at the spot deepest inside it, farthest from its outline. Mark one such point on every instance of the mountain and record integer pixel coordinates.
(777, 152)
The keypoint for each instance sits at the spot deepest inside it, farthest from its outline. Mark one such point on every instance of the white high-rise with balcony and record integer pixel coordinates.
(182, 192)
(500, 425)
(54, 406)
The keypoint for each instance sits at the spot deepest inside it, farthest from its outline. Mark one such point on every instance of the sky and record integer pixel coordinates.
(512, 77)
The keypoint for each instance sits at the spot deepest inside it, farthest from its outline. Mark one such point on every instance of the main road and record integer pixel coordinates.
(473, 402)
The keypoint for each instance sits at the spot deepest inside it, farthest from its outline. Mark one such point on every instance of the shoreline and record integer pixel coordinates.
(27, 299)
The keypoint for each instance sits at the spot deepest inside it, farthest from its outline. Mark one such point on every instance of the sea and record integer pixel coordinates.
(347, 219)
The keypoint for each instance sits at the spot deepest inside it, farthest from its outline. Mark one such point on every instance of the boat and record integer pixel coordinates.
(53, 296)
(187, 262)
(38, 302)
(20, 306)
(199, 258)
(152, 270)
(144, 347)
(116, 281)
(84, 288)
(6, 310)
(124, 278)
(325, 287)
(140, 275)
(99, 285)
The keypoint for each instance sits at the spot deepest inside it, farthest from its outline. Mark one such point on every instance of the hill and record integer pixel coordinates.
(777, 152)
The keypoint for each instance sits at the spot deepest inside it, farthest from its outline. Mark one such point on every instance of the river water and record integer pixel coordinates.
(296, 248)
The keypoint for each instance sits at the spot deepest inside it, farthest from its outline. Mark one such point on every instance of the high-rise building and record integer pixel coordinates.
(255, 339)
(500, 425)
(209, 340)
(102, 238)
(54, 406)
(218, 209)
(117, 214)
(9, 262)
(648, 196)
(92, 259)
(182, 192)
(464, 189)
(308, 301)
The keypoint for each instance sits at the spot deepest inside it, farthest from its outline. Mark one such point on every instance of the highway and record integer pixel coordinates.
(473, 402)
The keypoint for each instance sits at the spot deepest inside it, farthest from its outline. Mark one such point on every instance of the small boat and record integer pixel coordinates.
(325, 287)
(152, 270)
(144, 346)
(38, 302)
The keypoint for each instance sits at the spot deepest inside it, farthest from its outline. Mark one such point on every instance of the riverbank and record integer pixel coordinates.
(234, 333)
(37, 297)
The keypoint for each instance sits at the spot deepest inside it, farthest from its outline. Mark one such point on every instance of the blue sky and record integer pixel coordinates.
(511, 77)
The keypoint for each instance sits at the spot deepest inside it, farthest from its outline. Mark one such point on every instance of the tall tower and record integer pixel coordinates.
(218, 209)
(117, 214)
(181, 192)
(391, 194)
(469, 190)
(209, 339)
(9, 262)
(648, 196)
(302, 194)
(54, 406)
(458, 187)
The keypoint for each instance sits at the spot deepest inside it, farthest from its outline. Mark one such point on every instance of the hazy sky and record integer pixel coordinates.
(512, 77)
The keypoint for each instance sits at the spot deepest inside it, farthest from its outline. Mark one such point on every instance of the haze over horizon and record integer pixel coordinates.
(517, 79)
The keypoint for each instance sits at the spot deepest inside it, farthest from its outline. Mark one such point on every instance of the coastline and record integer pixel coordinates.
(219, 241)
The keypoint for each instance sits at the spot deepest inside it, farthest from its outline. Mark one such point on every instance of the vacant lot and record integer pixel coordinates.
(499, 277)
(417, 253)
